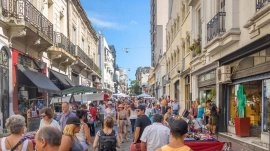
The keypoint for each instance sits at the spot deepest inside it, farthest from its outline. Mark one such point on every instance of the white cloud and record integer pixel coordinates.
(133, 22)
(104, 22)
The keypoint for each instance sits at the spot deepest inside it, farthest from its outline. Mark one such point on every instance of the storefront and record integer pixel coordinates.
(31, 86)
(207, 86)
(248, 96)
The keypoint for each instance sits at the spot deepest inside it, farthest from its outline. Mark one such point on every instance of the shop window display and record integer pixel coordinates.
(266, 105)
(251, 107)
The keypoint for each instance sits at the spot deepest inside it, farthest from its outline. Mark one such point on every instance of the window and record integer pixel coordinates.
(74, 35)
(89, 51)
(82, 44)
(187, 91)
(253, 101)
(266, 105)
(199, 23)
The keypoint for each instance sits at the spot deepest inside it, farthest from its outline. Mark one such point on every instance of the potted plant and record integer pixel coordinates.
(196, 47)
(242, 123)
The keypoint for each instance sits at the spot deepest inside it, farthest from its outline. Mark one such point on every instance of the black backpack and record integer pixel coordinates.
(107, 142)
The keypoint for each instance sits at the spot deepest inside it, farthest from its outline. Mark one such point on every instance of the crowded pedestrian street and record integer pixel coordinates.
(134, 75)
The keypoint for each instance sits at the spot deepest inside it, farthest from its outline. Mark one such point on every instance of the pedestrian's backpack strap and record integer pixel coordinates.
(19, 143)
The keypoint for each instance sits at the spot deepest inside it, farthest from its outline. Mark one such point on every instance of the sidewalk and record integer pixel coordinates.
(243, 143)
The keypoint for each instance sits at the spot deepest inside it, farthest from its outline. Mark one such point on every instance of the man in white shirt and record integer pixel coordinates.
(175, 107)
(156, 135)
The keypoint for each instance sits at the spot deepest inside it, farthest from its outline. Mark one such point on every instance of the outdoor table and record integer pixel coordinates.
(205, 145)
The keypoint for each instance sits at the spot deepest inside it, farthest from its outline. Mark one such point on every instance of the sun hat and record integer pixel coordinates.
(73, 120)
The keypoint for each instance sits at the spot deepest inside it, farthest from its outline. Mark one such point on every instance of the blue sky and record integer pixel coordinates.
(125, 24)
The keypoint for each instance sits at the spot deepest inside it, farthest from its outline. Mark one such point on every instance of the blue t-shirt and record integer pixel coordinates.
(200, 112)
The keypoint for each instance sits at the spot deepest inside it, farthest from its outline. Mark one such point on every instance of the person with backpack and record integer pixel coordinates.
(15, 141)
(106, 139)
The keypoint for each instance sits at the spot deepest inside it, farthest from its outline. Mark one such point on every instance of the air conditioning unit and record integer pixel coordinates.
(223, 74)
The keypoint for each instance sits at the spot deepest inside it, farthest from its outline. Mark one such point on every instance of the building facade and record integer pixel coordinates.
(45, 47)
(219, 51)
(142, 75)
(158, 21)
(106, 63)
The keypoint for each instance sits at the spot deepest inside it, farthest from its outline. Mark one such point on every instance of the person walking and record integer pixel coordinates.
(106, 139)
(15, 141)
(66, 113)
(93, 112)
(109, 111)
(141, 122)
(101, 112)
(168, 118)
(48, 139)
(175, 107)
(84, 133)
(132, 116)
(47, 119)
(178, 129)
(156, 135)
(69, 140)
(122, 118)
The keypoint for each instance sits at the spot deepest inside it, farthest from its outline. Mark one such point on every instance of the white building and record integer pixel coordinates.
(106, 62)
(142, 76)
(158, 21)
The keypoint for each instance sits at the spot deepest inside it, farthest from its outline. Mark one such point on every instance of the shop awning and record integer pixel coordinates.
(43, 83)
(62, 78)
(78, 89)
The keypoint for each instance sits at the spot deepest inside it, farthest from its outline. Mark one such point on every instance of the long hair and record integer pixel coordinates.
(69, 130)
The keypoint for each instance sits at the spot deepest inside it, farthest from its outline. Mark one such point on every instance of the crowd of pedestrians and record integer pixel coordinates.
(146, 125)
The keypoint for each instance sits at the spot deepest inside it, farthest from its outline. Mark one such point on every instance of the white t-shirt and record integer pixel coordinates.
(54, 124)
(196, 124)
(133, 114)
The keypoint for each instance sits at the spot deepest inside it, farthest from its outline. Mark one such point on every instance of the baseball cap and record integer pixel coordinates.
(109, 102)
(73, 120)
(141, 107)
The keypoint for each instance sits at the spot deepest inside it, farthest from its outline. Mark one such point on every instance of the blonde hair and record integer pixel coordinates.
(69, 129)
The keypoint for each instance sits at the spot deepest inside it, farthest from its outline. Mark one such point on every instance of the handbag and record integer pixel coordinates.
(135, 147)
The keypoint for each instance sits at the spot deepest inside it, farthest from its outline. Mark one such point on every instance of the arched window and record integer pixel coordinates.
(4, 83)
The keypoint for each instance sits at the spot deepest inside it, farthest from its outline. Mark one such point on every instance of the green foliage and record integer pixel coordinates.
(196, 46)
(134, 87)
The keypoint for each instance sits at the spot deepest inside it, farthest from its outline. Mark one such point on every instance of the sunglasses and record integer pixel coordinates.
(138, 110)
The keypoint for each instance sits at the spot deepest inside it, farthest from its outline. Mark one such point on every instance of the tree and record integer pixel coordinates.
(134, 87)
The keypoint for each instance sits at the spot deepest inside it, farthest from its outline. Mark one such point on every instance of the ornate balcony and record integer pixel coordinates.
(63, 51)
(27, 24)
(261, 3)
(83, 57)
(216, 26)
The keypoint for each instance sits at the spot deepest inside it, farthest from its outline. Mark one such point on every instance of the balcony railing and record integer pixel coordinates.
(23, 9)
(61, 41)
(216, 26)
(88, 61)
(261, 3)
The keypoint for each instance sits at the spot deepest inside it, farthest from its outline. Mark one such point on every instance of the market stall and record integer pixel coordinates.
(204, 142)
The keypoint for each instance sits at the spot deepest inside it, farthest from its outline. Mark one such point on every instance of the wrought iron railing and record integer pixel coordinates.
(261, 3)
(88, 61)
(216, 26)
(23, 9)
(61, 41)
